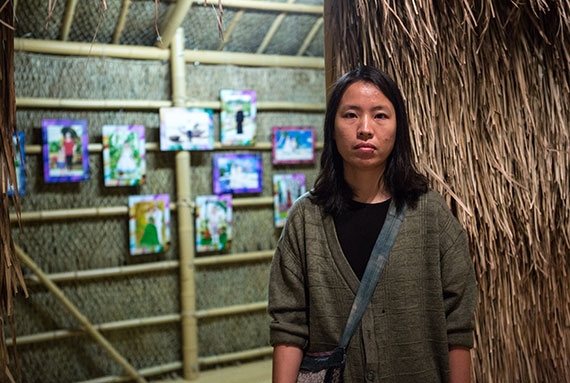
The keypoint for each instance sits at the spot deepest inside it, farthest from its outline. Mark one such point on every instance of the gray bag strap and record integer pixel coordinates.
(373, 270)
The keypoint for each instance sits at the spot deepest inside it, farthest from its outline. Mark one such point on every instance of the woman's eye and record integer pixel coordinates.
(381, 115)
(349, 115)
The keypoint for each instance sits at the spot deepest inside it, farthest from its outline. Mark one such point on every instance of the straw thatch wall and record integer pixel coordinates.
(487, 85)
(101, 242)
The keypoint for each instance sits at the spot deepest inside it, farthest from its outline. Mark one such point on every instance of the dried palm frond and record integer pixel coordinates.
(10, 272)
(487, 86)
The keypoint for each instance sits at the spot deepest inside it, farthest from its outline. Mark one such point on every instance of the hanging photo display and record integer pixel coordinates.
(286, 189)
(238, 117)
(65, 150)
(149, 223)
(19, 166)
(186, 129)
(237, 173)
(124, 155)
(293, 144)
(213, 222)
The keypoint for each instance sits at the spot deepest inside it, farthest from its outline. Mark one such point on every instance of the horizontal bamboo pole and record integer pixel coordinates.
(273, 6)
(92, 212)
(153, 53)
(252, 59)
(231, 310)
(235, 356)
(109, 272)
(234, 258)
(58, 103)
(91, 50)
(212, 260)
(62, 103)
(149, 371)
(138, 322)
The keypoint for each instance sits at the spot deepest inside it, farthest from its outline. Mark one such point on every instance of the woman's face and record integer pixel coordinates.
(365, 128)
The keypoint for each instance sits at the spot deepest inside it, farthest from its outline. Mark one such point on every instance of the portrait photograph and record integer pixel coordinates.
(19, 183)
(65, 150)
(238, 117)
(149, 223)
(186, 129)
(293, 144)
(124, 155)
(286, 189)
(237, 173)
(213, 222)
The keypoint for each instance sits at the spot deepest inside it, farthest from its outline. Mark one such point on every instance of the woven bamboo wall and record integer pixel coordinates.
(102, 242)
(487, 85)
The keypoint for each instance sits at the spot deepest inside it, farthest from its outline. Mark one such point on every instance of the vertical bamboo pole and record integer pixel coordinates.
(329, 70)
(185, 222)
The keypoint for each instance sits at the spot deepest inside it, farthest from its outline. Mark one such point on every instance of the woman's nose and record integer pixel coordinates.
(364, 129)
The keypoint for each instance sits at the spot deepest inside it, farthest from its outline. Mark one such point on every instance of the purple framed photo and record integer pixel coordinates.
(65, 150)
(293, 144)
(237, 173)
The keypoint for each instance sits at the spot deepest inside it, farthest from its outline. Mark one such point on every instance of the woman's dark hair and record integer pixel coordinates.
(401, 178)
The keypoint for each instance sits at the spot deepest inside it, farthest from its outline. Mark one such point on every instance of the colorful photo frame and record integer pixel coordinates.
(286, 189)
(65, 150)
(238, 117)
(213, 222)
(19, 166)
(149, 223)
(186, 129)
(124, 155)
(293, 144)
(237, 173)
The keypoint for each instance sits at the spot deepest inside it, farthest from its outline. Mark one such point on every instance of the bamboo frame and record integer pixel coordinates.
(231, 357)
(58, 103)
(89, 328)
(153, 53)
(273, 6)
(310, 36)
(121, 21)
(173, 22)
(70, 7)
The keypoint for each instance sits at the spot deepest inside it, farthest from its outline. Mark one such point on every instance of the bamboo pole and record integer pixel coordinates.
(252, 59)
(234, 356)
(121, 22)
(149, 371)
(185, 223)
(172, 23)
(234, 258)
(89, 328)
(58, 103)
(70, 7)
(231, 310)
(273, 6)
(310, 36)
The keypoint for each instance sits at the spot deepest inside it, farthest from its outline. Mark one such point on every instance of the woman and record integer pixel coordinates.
(418, 326)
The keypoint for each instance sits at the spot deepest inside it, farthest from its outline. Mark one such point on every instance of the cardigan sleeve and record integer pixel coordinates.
(287, 298)
(458, 280)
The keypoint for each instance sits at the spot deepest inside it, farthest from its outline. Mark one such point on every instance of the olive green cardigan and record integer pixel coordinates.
(423, 303)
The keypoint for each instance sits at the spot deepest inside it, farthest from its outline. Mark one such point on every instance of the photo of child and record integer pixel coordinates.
(124, 155)
(149, 223)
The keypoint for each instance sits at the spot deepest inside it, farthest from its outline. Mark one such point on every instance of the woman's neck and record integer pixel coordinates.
(368, 187)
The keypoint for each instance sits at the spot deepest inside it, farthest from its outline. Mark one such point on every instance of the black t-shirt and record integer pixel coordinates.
(357, 230)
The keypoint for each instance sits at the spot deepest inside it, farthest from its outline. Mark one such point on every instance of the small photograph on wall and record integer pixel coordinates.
(19, 166)
(293, 144)
(149, 223)
(65, 150)
(237, 173)
(286, 189)
(186, 129)
(238, 117)
(213, 222)
(124, 155)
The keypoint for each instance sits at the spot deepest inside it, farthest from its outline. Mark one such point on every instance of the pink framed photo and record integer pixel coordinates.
(293, 145)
